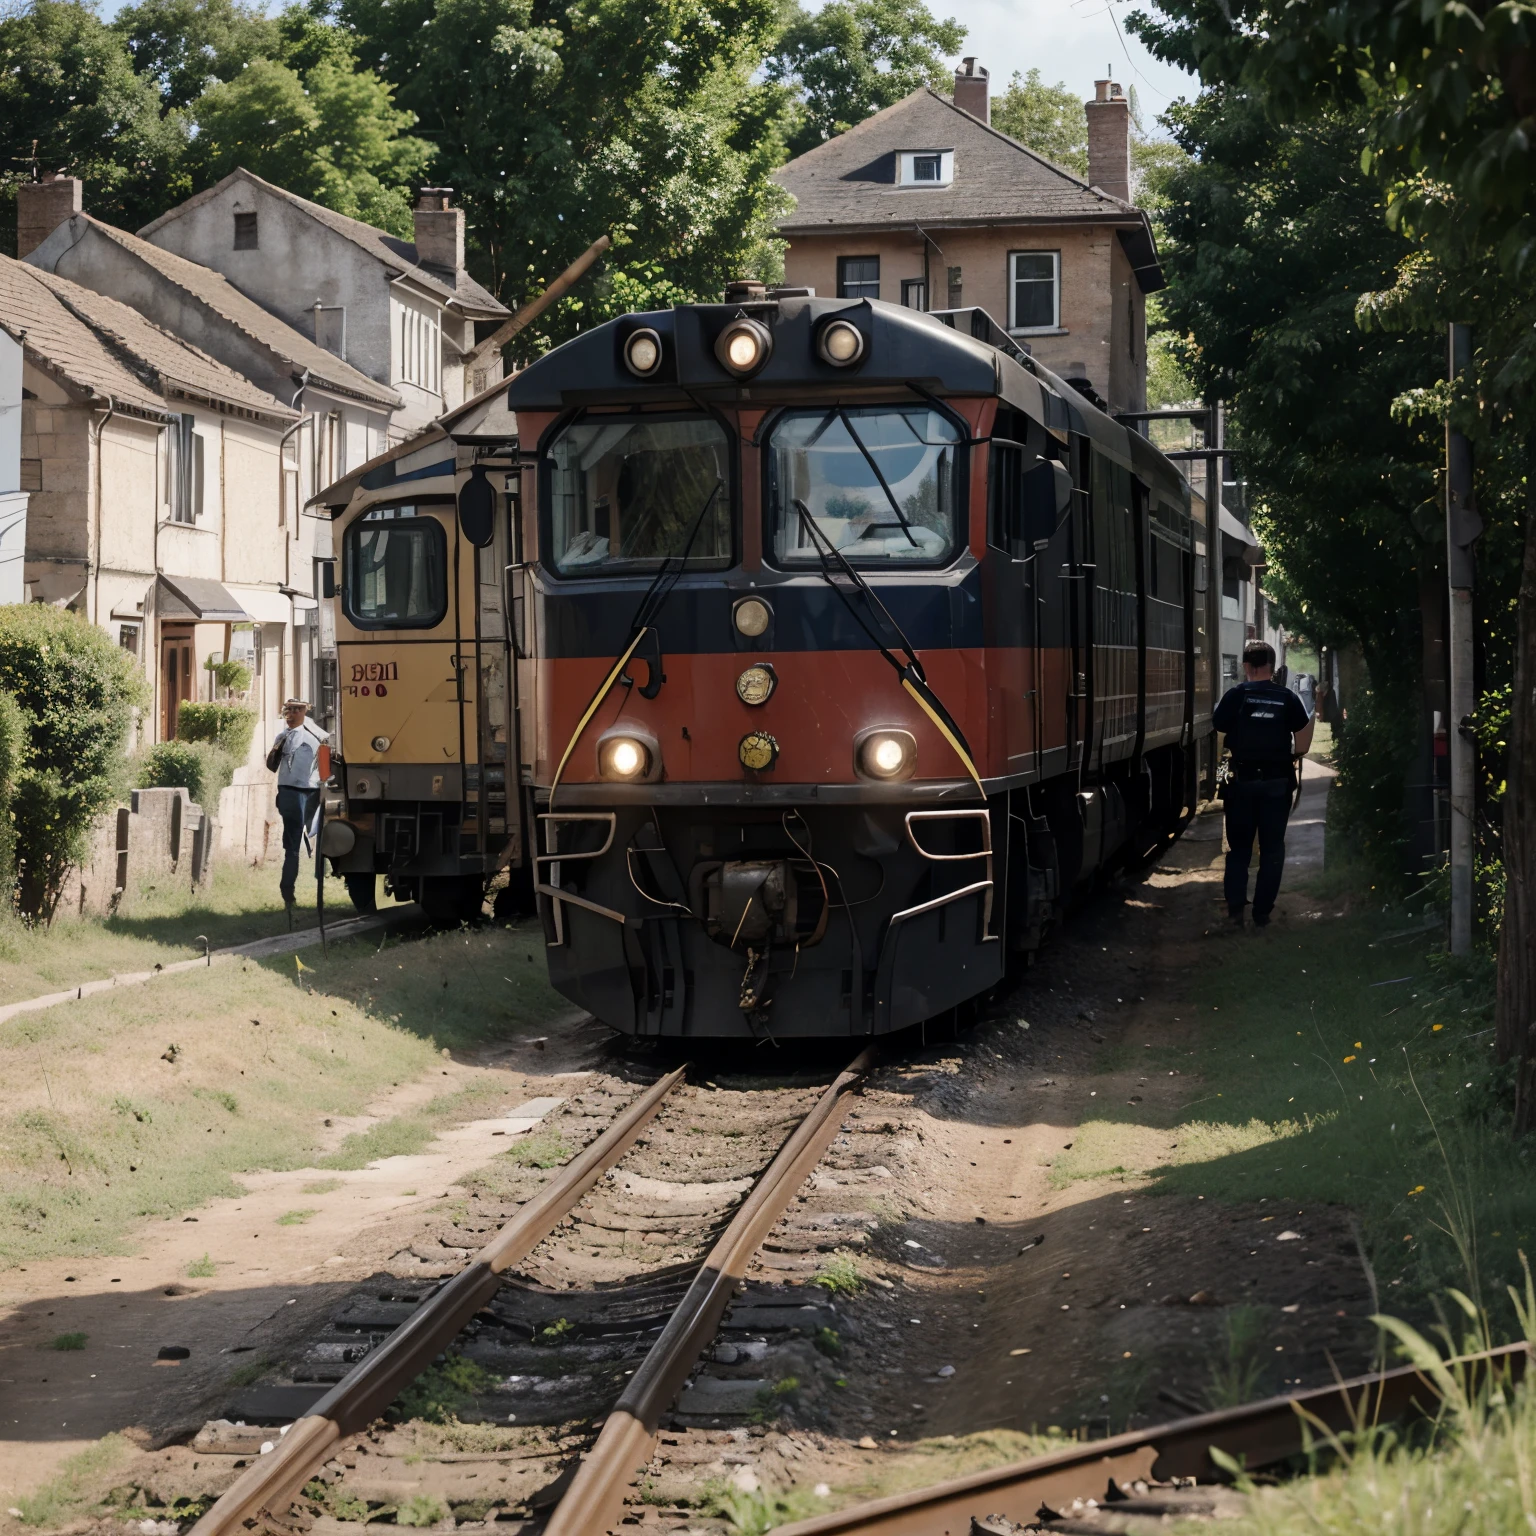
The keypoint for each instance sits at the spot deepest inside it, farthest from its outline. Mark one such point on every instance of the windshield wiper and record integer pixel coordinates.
(640, 625)
(836, 571)
(885, 486)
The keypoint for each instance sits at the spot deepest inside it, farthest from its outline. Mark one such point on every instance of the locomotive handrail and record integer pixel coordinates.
(984, 852)
(555, 858)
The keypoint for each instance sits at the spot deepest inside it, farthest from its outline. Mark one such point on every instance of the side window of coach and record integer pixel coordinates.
(1029, 498)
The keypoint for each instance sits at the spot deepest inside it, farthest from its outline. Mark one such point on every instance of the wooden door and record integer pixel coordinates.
(176, 680)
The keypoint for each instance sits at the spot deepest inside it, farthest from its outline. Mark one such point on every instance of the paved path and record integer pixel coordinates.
(1304, 837)
(280, 944)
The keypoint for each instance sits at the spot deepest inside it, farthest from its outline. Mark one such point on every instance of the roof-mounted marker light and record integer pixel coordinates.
(840, 344)
(744, 346)
(642, 353)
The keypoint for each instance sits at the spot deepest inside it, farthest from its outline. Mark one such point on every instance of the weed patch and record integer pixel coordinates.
(69, 1341)
(201, 1269)
(442, 1392)
(295, 1218)
(76, 1484)
(840, 1275)
(322, 1187)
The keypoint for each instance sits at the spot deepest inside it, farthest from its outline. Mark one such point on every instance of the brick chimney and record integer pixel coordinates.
(41, 206)
(971, 90)
(1109, 140)
(439, 229)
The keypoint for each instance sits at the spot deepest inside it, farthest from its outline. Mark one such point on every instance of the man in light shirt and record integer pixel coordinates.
(296, 756)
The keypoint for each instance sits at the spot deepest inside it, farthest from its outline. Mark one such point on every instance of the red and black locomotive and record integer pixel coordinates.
(860, 644)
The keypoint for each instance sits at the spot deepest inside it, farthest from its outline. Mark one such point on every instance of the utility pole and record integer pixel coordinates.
(1462, 526)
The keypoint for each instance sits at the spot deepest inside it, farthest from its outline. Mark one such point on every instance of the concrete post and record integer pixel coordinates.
(1462, 526)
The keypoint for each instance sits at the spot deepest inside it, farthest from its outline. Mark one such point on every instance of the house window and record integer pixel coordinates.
(1034, 290)
(925, 167)
(185, 469)
(914, 293)
(858, 277)
(128, 638)
(419, 338)
(245, 232)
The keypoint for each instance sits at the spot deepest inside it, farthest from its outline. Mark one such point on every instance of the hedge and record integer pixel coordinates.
(229, 726)
(199, 767)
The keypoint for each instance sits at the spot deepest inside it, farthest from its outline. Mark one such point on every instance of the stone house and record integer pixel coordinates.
(401, 312)
(927, 205)
(156, 504)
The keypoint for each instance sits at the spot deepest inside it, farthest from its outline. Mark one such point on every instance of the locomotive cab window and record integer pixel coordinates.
(878, 481)
(396, 569)
(626, 493)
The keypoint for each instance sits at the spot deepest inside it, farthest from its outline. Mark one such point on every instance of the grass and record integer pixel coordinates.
(201, 1269)
(442, 1392)
(102, 1125)
(69, 1341)
(75, 1485)
(159, 921)
(543, 1150)
(295, 1218)
(322, 1186)
(1333, 1060)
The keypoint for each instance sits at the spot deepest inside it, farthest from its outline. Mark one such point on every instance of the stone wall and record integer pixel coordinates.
(161, 836)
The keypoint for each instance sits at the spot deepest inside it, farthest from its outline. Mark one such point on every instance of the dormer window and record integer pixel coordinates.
(925, 167)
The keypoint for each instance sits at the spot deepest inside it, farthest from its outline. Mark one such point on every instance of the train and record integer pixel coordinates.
(799, 660)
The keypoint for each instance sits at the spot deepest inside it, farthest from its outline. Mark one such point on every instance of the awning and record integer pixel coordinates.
(198, 598)
(1238, 542)
(263, 605)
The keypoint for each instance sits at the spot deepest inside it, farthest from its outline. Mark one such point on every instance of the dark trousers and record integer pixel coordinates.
(1258, 807)
(296, 807)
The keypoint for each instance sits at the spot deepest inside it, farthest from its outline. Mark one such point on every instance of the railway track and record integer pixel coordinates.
(700, 1213)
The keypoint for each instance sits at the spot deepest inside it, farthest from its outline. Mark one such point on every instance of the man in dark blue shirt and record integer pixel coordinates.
(1267, 727)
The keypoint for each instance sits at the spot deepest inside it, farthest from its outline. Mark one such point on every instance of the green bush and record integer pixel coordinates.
(77, 692)
(198, 767)
(1367, 821)
(229, 726)
(13, 754)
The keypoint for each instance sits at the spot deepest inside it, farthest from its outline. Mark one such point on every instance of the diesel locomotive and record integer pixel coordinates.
(801, 659)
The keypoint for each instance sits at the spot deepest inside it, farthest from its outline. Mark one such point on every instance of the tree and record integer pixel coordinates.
(67, 83)
(623, 117)
(1447, 93)
(185, 46)
(334, 136)
(853, 58)
(1048, 118)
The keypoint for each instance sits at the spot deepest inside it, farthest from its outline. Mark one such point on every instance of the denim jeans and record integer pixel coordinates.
(296, 807)
(1258, 807)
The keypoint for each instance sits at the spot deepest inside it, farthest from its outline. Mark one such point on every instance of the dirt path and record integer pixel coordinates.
(270, 1277)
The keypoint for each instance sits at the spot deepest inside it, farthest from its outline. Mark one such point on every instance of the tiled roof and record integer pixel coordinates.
(400, 255)
(220, 295)
(851, 180)
(166, 357)
(70, 349)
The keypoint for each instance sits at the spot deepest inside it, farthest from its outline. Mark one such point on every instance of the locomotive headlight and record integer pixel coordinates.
(642, 353)
(751, 617)
(624, 757)
(887, 755)
(840, 344)
(743, 347)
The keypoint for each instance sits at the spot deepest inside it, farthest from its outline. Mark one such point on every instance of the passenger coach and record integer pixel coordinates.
(841, 647)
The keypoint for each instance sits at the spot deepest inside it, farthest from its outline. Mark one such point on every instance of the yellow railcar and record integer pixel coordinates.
(425, 789)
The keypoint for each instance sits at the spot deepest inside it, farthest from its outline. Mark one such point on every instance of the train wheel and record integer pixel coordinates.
(364, 891)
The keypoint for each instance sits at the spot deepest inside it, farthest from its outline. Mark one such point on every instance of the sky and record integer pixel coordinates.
(1067, 40)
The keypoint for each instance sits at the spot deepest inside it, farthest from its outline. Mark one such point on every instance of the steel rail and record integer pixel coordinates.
(1256, 1434)
(272, 1481)
(594, 1501)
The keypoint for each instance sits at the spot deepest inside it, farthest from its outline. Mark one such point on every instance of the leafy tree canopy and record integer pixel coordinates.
(185, 46)
(853, 58)
(67, 83)
(333, 136)
(628, 117)
(1048, 118)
